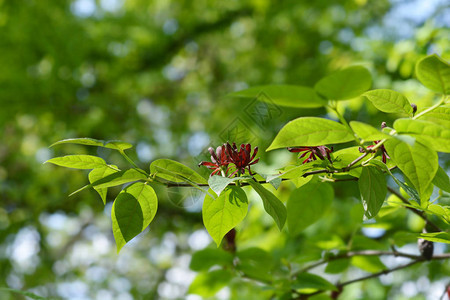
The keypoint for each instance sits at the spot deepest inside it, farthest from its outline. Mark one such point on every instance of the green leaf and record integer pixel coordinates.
(373, 188)
(307, 204)
(337, 266)
(174, 171)
(312, 281)
(255, 263)
(418, 162)
(291, 172)
(132, 211)
(441, 180)
(370, 264)
(97, 174)
(439, 115)
(439, 237)
(367, 132)
(209, 283)
(24, 293)
(434, 73)
(78, 161)
(283, 95)
(345, 84)
(116, 145)
(222, 214)
(389, 101)
(204, 259)
(272, 205)
(311, 131)
(219, 183)
(115, 179)
(437, 136)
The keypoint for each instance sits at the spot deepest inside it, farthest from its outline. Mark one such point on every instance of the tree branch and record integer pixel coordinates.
(417, 212)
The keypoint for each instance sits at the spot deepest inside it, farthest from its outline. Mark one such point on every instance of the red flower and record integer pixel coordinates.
(242, 157)
(384, 155)
(321, 152)
(219, 160)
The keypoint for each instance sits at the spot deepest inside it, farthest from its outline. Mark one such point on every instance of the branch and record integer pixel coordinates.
(417, 212)
(384, 272)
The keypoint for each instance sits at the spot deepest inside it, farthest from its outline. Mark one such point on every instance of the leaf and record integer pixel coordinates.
(434, 73)
(116, 145)
(204, 259)
(219, 183)
(255, 263)
(435, 135)
(115, 179)
(284, 95)
(345, 84)
(373, 188)
(209, 283)
(132, 211)
(25, 293)
(311, 131)
(78, 161)
(418, 162)
(312, 281)
(439, 115)
(370, 264)
(97, 174)
(439, 237)
(177, 172)
(222, 214)
(337, 266)
(307, 204)
(367, 132)
(441, 180)
(389, 101)
(272, 205)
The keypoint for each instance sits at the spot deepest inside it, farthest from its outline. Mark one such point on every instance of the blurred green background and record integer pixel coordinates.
(157, 74)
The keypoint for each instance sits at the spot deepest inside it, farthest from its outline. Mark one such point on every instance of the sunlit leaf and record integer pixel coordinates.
(439, 115)
(435, 135)
(345, 84)
(307, 204)
(272, 205)
(418, 162)
(219, 183)
(389, 101)
(116, 145)
(367, 132)
(78, 161)
(97, 174)
(255, 263)
(174, 171)
(223, 213)
(283, 95)
(434, 73)
(132, 211)
(441, 180)
(311, 131)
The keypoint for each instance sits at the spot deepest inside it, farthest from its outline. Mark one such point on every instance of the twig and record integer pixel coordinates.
(417, 212)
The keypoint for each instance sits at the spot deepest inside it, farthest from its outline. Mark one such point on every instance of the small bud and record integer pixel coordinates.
(426, 248)
(414, 107)
(383, 125)
(361, 150)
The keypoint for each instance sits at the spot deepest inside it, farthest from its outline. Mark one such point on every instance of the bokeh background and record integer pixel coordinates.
(157, 74)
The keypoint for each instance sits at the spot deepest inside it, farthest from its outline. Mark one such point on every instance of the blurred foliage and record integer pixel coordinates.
(156, 74)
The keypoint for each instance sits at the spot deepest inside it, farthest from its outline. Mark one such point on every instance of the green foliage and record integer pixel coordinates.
(373, 188)
(284, 95)
(345, 84)
(272, 205)
(311, 131)
(223, 213)
(434, 73)
(132, 211)
(307, 204)
(78, 161)
(389, 101)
